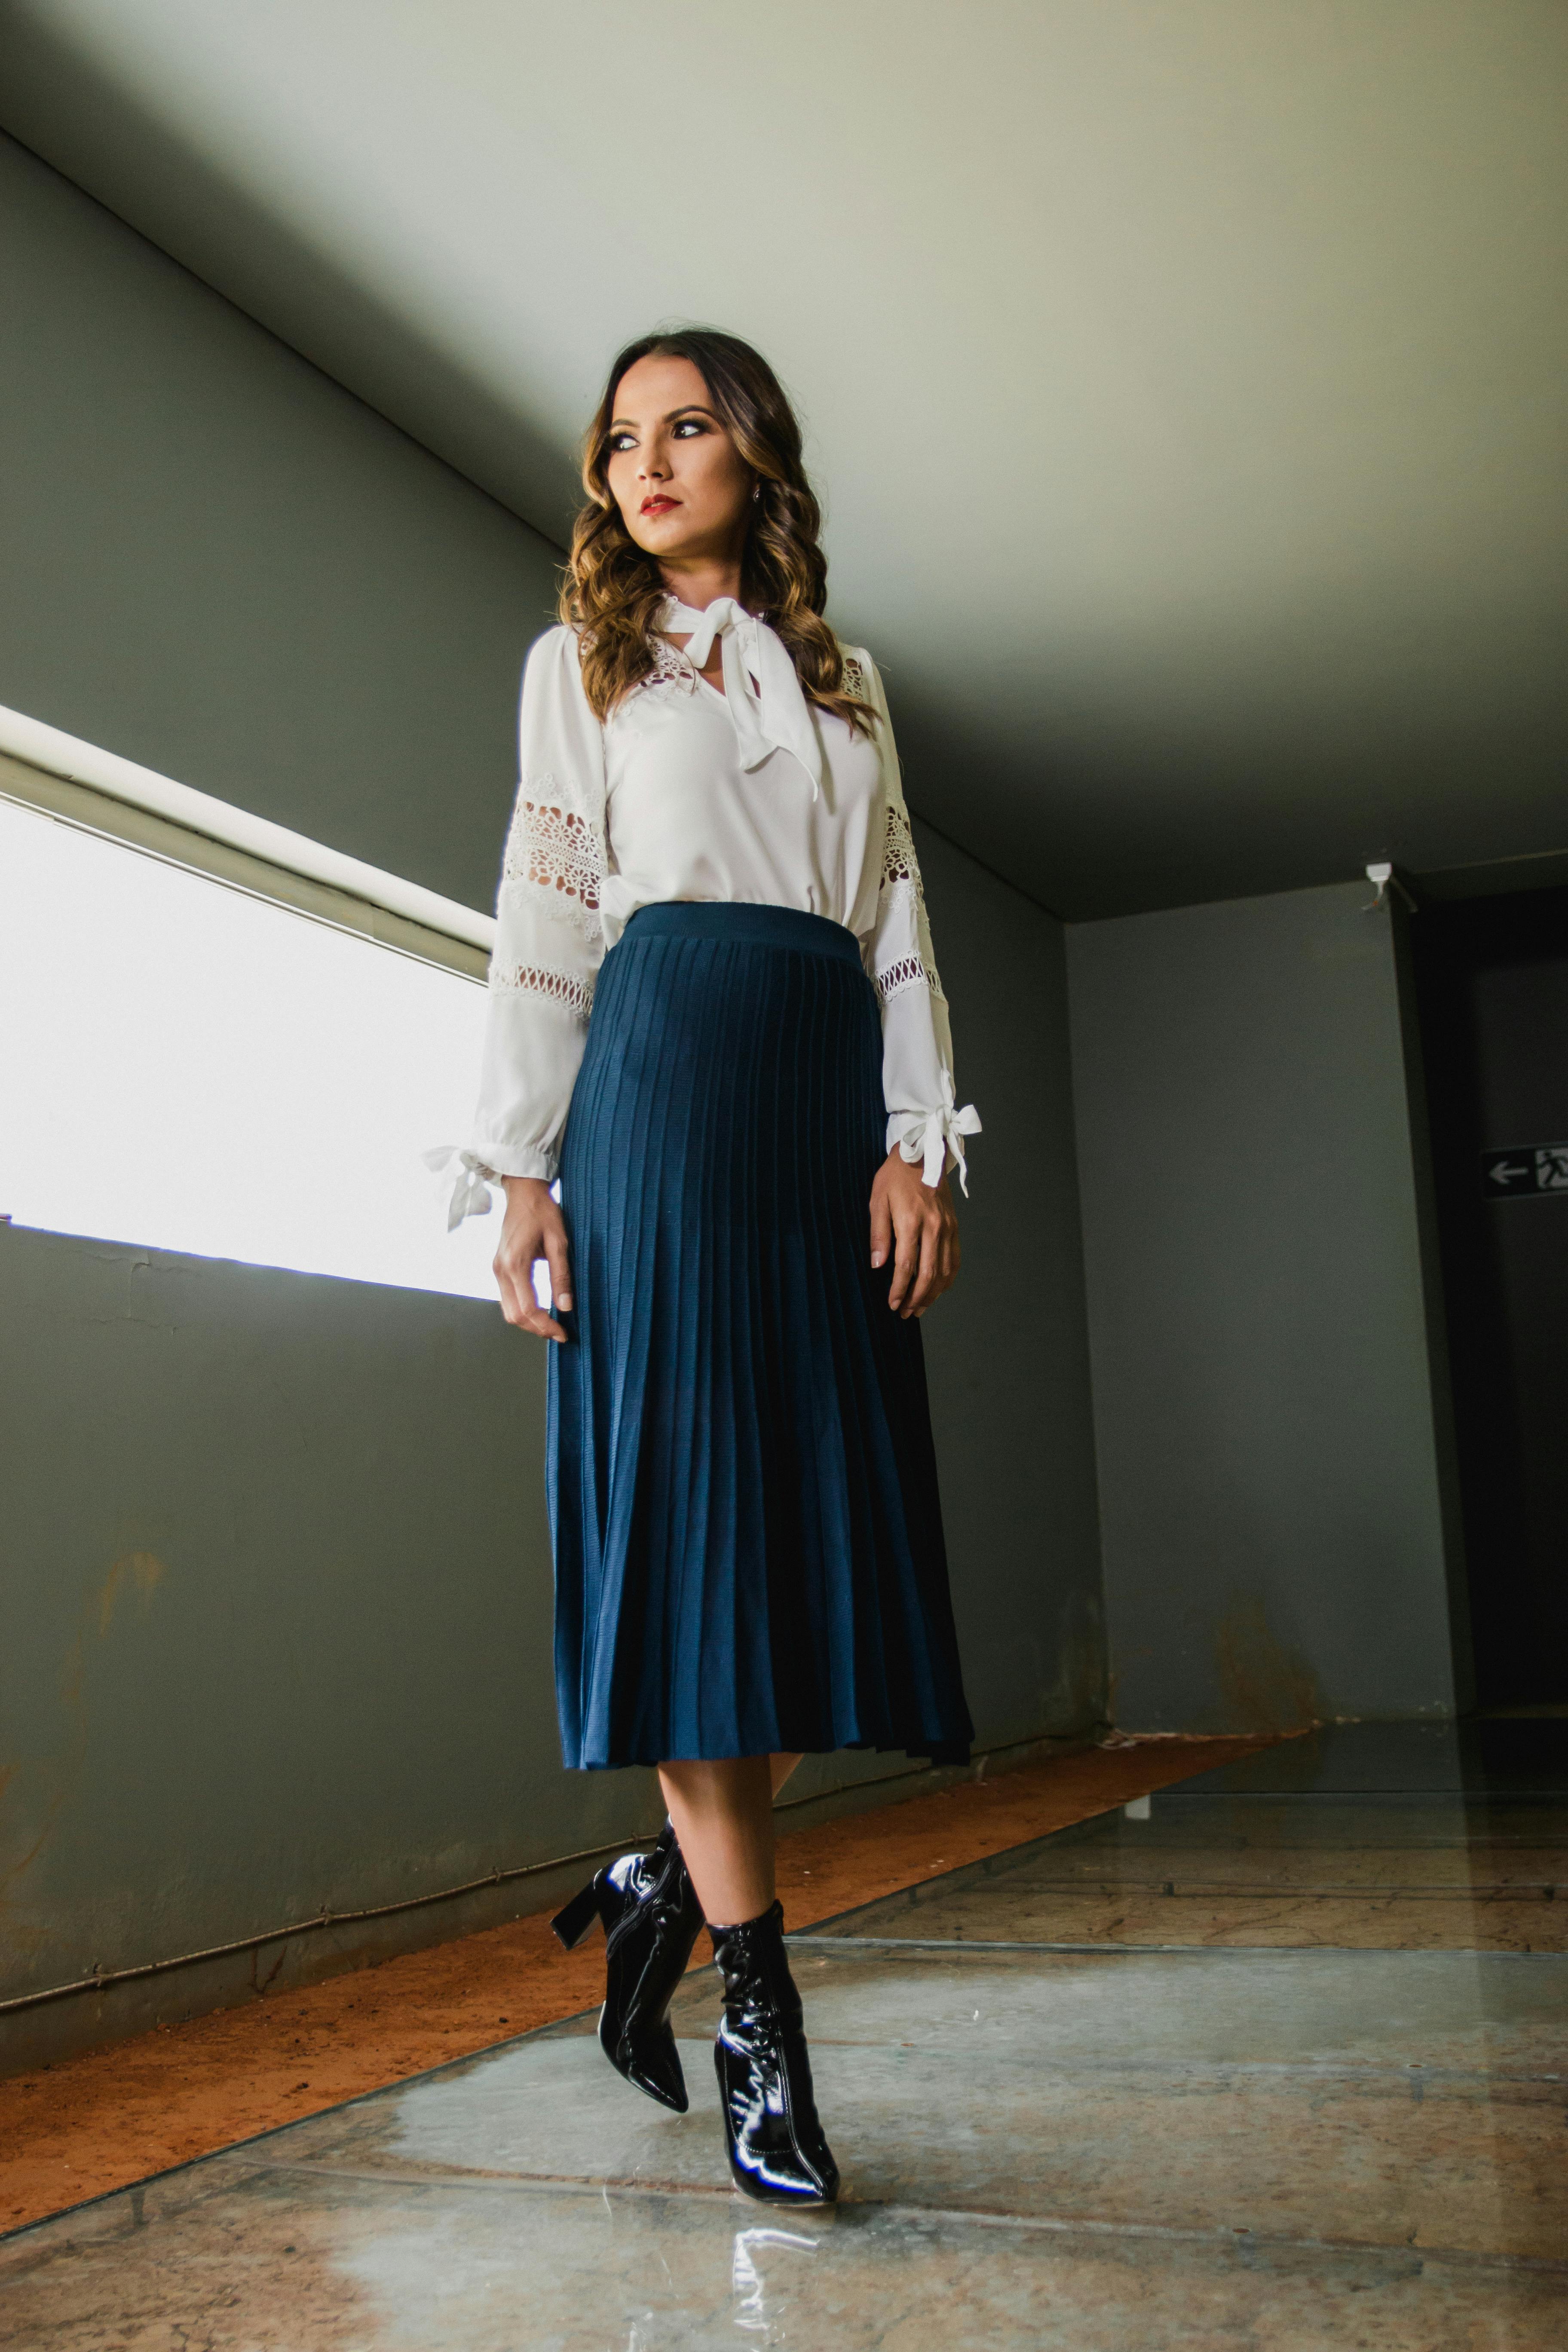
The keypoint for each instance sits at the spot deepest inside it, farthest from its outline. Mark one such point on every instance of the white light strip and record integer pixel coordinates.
(58, 754)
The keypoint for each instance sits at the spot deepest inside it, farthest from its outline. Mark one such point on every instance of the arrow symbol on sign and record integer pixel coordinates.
(1503, 1171)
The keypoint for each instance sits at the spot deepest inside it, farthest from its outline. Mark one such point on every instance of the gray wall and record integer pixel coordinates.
(220, 563)
(1273, 1527)
(278, 1603)
(1007, 1348)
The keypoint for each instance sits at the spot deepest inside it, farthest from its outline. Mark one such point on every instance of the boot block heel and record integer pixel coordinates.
(572, 1923)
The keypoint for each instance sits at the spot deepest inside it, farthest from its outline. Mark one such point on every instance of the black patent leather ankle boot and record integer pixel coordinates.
(777, 2151)
(651, 1916)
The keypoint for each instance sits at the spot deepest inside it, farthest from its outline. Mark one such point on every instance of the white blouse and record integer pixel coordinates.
(748, 796)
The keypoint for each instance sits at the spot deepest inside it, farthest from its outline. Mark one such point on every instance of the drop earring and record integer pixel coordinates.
(756, 492)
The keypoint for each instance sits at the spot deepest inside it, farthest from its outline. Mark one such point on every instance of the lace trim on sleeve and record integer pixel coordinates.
(855, 679)
(556, 850)
(909, 972)
(901, 871)
(899, 863)
(569, 989)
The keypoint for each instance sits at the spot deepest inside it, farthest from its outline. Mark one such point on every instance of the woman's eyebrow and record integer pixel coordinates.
(692, 408)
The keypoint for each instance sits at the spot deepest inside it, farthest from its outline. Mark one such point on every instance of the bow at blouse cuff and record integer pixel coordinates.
(935, 1137)
(462, 1177)
(465, 1178)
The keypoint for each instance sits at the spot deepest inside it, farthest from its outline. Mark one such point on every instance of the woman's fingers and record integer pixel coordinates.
(915, 1223)
(882, 1225)
(513, 1271)
(925, 1286)
(542, 1326)
(946, 1256)
(920, 1231)
(517, 1299)
(506, 1284)
(939, 1258)
(530, 1316)
(533, 1229)
(560, 1264)
(906, 1255)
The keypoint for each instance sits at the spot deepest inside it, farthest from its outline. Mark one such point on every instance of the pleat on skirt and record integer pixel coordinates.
(743, 1488)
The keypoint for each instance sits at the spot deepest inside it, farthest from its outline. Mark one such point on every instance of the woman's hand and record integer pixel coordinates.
(914, 1224)
(534, 1228)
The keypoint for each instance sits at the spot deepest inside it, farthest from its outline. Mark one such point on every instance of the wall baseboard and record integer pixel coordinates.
(44, 2028)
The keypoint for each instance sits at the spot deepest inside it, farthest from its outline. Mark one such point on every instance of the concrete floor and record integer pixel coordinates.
(1283, 2065)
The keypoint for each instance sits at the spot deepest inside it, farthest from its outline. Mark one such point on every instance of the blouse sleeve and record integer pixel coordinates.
(916, 1041)
(547, 944)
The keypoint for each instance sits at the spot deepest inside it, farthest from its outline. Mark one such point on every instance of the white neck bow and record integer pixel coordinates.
(772, 716)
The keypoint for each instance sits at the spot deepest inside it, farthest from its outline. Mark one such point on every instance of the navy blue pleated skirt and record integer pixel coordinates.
(743, 1488)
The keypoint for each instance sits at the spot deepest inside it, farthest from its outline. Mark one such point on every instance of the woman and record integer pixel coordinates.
(711, 852)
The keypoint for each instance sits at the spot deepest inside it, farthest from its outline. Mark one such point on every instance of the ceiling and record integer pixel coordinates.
(1185, 378)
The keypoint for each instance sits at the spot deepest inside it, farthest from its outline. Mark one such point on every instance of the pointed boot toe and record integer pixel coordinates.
(651, 1918)
(652, 2064)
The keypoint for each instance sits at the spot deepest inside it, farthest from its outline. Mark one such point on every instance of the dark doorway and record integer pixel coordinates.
(1492, 985)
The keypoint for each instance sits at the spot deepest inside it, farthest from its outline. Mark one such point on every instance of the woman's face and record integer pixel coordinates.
(683, 489)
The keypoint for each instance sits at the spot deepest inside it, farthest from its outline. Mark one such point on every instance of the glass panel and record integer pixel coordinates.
(189, 1068)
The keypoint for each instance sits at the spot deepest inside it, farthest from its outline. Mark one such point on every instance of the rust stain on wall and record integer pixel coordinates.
(141, 1571)
(1077, 1694)
(136, 1574)
(38, 1835)
(1265, 1686)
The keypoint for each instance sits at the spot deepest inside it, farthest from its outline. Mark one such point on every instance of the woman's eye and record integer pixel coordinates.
(620, 441)
(691, 424)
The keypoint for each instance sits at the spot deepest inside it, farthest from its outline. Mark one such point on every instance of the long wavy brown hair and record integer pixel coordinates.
(613, 589)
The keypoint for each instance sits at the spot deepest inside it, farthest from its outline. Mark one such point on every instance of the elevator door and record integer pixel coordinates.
(1492, 978)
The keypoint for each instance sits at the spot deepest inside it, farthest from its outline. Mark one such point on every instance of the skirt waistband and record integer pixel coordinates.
(744, 926)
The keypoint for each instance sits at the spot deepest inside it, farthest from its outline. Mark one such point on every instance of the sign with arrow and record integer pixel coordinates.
(1526, 1173)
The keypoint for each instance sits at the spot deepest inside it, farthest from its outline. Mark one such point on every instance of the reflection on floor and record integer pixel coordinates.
(1374, 1838)
(1284, 2065)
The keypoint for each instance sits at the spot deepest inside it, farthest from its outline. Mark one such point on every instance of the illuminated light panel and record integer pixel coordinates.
(186, 1067)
